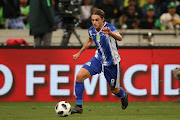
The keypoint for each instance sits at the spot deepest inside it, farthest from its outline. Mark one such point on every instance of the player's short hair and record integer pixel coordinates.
(99, 12)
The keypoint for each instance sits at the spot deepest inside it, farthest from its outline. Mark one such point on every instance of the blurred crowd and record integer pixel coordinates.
(123, 14)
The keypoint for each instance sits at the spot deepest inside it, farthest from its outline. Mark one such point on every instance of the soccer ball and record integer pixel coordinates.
(63, 108)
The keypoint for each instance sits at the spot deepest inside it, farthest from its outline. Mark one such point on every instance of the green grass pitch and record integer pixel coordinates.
(92, 111)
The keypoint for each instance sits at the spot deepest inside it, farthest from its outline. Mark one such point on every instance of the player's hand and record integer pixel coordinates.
(106, 30)
(76, 56)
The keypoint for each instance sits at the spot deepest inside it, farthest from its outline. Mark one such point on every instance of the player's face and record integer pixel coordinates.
(97, 22)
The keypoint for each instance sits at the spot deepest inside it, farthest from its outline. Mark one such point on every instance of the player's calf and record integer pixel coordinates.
(119, 92)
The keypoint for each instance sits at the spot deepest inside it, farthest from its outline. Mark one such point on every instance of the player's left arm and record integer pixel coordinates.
(115, 35)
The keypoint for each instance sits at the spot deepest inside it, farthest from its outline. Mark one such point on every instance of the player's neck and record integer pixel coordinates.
(100, 27)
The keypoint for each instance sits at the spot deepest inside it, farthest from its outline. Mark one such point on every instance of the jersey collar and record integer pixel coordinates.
(101, 28)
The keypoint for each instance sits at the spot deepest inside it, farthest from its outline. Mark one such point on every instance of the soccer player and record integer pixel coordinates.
(106, 59)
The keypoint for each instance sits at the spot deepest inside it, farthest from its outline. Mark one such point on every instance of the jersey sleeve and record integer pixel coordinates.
(113, 29)
(90, 33)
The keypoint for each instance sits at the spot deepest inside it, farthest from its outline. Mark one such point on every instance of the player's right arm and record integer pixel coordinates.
(88, 43)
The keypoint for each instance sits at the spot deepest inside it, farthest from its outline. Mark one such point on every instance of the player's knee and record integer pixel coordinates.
(115, 90)
(79, 78)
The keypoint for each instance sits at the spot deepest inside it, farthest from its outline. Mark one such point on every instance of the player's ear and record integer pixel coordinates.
(103, 19)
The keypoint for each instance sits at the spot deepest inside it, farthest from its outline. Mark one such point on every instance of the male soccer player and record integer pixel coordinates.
(106, 59)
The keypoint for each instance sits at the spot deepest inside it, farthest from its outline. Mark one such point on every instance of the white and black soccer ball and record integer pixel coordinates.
(63, 108)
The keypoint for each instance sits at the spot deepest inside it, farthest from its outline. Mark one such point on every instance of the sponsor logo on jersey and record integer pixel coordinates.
(88, 63)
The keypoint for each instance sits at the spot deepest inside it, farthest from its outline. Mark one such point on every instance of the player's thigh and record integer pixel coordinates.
(94, 66)
(90, 68)
(82, 75)
(112, 75)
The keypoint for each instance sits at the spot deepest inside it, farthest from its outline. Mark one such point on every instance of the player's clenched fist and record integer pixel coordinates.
(106, 30)
(76, 56)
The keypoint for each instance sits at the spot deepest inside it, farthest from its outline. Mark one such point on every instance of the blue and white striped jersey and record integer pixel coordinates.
(107, 48)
